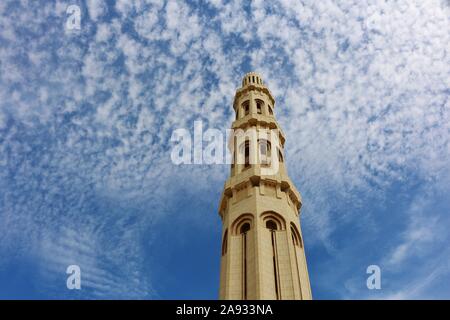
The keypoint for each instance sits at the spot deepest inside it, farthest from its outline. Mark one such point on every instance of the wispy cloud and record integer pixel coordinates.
(86, 117)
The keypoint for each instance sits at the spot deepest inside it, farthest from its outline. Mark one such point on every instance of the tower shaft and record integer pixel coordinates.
(263, 254)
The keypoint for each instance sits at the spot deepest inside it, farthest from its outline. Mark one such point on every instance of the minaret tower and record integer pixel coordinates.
(263, 254)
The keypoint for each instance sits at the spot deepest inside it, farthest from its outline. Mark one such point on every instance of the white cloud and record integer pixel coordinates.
(423, 230)
(366, 91)
(96, 8)
(419, 288)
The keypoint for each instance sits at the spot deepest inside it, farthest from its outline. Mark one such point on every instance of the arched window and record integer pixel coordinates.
(264, 152)
(270, 218)
(280, 156)
(273, 221)
(259, 106)
(297, 241)
(225, 243)
(244, 228)
(247, 154)
(270, 110)
(243, 223)
(241, 226)
(271, 225)
(296, 237)
(246, 107)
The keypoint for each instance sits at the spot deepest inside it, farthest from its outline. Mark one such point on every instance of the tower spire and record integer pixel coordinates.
(263, 253)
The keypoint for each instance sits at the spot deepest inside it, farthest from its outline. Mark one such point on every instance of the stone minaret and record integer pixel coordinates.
(263, 254)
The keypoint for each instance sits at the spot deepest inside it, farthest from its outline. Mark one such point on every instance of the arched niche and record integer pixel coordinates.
(273, 221)
(243, 223)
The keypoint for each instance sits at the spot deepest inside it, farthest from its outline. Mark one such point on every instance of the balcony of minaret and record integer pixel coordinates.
(254, 106)
(254, 187)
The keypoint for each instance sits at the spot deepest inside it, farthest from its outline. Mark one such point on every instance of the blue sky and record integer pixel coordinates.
(86, 116)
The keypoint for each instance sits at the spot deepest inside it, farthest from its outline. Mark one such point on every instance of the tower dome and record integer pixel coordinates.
(252, 78)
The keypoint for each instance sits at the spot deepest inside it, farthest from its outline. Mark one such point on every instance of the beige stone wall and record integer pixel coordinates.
(275, 264)
(234, 283)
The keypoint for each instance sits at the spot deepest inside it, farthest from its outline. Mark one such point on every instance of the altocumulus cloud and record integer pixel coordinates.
(86, 116)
